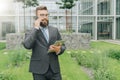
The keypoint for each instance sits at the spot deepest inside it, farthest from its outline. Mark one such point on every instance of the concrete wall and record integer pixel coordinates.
(77, 41)
(72, 41)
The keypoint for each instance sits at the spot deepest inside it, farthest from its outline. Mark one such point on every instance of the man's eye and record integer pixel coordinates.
(41, 14)
(44, 15)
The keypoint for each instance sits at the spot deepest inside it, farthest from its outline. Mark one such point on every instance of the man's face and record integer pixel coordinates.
(43, 16)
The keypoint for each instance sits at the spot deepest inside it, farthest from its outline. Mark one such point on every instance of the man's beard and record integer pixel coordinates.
(44, 23)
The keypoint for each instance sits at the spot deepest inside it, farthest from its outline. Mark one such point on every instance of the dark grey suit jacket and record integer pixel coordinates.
(40, 58)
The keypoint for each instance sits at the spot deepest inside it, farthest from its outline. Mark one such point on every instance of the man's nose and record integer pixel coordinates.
(45, 16)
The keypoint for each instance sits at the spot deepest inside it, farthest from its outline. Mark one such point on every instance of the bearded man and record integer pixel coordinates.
(44, 65)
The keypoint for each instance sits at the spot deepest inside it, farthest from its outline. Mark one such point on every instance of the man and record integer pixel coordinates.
(44, 65)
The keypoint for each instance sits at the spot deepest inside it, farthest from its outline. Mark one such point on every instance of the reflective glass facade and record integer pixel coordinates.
(100, 18)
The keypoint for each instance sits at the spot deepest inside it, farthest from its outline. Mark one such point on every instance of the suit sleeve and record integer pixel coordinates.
(30, 38)
(63, 47)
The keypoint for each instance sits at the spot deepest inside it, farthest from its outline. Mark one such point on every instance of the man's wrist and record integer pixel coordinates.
(58, 52)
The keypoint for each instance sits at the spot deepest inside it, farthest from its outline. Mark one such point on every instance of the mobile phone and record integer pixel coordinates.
(36, 17)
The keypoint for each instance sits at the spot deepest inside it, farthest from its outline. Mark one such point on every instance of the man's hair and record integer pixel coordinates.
(41, 8)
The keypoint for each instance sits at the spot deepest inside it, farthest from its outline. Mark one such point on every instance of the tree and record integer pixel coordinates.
(67, 4)
(28, 3)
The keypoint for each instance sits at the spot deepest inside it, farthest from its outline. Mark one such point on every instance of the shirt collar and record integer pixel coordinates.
(44, 28)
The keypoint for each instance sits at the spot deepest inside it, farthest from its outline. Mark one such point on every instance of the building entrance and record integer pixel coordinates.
(104, 30)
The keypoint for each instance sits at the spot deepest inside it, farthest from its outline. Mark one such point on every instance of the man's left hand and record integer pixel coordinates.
(55, 48)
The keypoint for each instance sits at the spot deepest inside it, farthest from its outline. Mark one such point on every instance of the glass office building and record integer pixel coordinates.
(100, 18)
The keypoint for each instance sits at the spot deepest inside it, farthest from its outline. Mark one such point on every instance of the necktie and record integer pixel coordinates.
(45, 32)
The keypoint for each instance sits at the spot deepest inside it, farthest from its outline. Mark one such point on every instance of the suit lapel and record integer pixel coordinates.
(50, 33)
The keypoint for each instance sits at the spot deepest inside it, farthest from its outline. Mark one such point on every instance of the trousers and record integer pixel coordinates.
(49, 75)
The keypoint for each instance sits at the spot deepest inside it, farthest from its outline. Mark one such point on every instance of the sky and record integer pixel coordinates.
(4, 6)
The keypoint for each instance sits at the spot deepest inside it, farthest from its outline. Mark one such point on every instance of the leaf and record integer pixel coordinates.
(57, 43)
(58, 3)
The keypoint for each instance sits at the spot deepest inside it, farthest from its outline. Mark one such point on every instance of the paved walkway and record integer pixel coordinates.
(2, 40)
(112, 41)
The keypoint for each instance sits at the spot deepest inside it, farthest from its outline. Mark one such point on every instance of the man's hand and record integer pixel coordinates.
(54, 48)
(37, 23)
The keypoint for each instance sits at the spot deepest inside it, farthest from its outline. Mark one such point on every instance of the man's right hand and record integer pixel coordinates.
(37, 23)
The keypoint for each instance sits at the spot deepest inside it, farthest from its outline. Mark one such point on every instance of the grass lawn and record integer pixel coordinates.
(112, 64)
(101, 45)
(3, 60)
(70, 69)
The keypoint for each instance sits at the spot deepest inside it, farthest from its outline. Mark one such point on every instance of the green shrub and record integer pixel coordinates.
(2, 45)
(84, 58)
(18, 56)
(87, 58)
(103, 71)
(103, 74)
(73, 53)
(114, 53)
(96, 60)
(7, 75)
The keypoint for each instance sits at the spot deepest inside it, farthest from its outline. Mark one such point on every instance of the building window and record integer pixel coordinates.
(7, 27)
